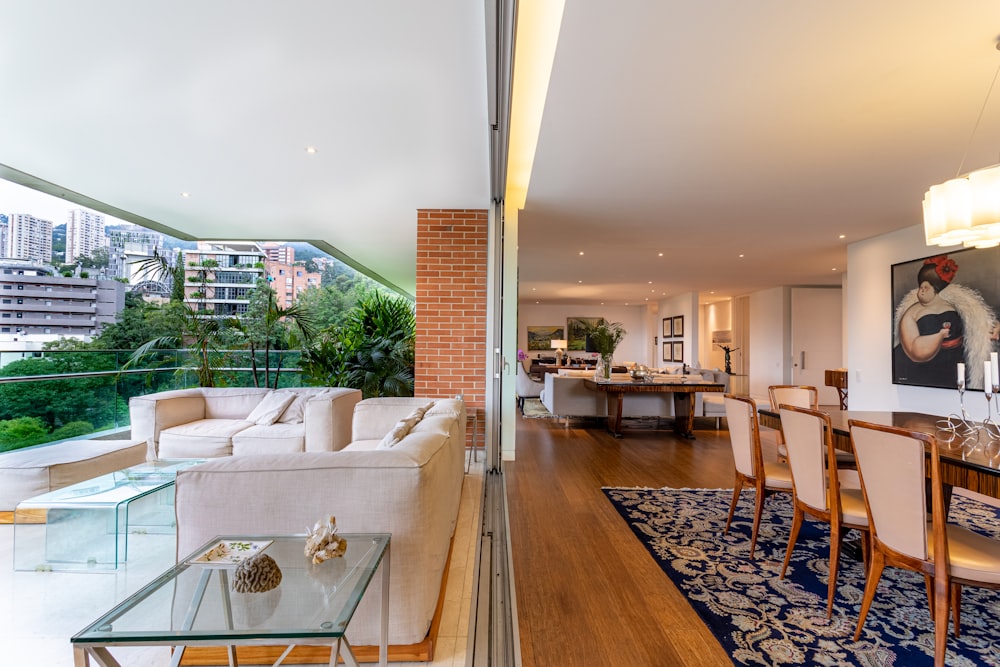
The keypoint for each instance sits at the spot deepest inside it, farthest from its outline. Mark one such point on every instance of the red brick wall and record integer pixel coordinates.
(451, 306)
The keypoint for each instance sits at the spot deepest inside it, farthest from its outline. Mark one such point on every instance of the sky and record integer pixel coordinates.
(16, 198)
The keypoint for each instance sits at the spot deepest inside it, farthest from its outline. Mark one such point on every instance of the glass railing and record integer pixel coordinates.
(56, 395)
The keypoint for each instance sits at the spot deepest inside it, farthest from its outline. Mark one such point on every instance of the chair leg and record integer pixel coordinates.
(792, 537)
(737, 489)
(871, 584)
(758, 513)
(956, 605)
(835, 543)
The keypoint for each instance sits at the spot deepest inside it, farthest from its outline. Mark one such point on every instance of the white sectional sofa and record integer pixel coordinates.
(411, 489)
(207, 422)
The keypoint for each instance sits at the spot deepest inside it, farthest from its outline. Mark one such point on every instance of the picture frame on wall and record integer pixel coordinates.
(576, 331)
(667, 351)
(678, 326)
(957, 312)
(677, 351)
(668, 328)
(541, 337)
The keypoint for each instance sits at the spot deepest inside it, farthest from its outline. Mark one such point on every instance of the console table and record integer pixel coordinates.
(683, 400)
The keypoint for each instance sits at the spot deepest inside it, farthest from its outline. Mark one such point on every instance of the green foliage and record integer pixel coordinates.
(22, 432)
(97, 259)
(72, 430)
(177, 291)
(606, 336)
(372, 350)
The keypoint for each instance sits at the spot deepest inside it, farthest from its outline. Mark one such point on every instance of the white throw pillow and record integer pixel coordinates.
(269, 409)
(403, 427)
(296, 410)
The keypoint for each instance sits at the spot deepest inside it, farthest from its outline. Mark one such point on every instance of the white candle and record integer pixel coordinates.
(995, 365)
(986, 372)
(961, 373)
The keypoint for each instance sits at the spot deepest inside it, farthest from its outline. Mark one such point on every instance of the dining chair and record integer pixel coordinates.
(526, 387)
(817, 489)
(892, 464)
(801, 396)
(751, 469)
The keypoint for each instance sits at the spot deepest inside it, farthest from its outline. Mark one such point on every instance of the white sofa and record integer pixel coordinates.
(207, 422)
(411, 490)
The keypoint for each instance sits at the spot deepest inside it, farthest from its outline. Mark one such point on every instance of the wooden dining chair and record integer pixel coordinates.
(751, 469)
(892, 464)
(816, 487)
(801, 396)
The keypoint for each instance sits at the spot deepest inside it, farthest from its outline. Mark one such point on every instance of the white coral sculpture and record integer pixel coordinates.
(323, 543)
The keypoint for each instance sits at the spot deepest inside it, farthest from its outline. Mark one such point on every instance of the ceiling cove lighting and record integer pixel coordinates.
(966, 209)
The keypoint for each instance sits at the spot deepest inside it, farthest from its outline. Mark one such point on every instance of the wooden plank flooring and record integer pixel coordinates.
(588, 593)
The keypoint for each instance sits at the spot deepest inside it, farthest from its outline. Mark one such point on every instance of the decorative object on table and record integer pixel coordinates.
(605, 336)
(539, 336)
(323, 543)
(762, 620)
(559, 345)
(257, 574)
(639, 373)
(729, 361)
(230, 553)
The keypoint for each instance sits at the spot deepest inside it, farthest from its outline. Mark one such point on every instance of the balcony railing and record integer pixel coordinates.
(58, 395)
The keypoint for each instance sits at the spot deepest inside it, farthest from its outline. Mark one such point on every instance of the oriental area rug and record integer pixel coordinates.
(762, 620)
(533, 409)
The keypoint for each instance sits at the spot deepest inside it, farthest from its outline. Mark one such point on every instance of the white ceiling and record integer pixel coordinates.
(700, 130)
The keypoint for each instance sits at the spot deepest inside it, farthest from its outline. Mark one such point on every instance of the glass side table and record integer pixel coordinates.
(193, 604)
(87, 524)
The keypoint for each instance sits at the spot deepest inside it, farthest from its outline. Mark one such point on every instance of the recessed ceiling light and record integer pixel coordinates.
(581, 252)
(533, 289)
(741, 255)
(311, 150)
(843, 236)
(185, 194)
(834, 269)
(580, 282)
(661, 254)
(712, 292)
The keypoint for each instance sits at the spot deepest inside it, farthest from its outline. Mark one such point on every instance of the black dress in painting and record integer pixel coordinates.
(940, 370)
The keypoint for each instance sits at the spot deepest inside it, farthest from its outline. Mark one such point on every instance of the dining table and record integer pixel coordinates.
(968, 461)
(682, 392)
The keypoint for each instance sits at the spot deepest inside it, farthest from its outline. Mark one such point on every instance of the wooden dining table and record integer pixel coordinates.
(683, 394)
(965, 462)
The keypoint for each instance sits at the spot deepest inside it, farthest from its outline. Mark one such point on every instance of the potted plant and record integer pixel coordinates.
(605, 337)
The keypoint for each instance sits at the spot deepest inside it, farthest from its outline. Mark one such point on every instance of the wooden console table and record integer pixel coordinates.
(683, 400)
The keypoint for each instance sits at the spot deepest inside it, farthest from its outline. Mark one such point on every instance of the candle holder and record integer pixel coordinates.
(991, 427)
(960, 424)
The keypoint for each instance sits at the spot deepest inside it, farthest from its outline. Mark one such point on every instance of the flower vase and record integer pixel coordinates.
(603, 370)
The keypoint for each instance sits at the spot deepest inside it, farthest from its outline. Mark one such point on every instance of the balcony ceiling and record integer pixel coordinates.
(701, 131)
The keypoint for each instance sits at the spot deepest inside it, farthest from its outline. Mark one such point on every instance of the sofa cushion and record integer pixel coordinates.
(277, 438)
(269, 409)
(231, 402)
(296, 410)
(205, 438)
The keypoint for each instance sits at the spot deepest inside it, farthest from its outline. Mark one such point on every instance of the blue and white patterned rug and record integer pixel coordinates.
(763, 620)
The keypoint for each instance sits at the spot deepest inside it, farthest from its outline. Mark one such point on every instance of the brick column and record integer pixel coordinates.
(451, 306)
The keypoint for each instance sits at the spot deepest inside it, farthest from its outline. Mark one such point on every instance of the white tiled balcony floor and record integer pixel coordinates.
(40, 611)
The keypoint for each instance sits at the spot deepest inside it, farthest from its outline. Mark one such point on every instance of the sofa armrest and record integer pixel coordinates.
(152, 413)
(328, 418)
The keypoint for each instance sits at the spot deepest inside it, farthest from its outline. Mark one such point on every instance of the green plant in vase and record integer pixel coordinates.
(605, 337)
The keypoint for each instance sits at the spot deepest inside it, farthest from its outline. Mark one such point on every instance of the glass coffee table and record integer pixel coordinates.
(87, 524)
(193, 604)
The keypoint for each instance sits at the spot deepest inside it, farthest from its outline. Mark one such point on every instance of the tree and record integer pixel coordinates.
(267, 325)
(97, 259)
(177, 289)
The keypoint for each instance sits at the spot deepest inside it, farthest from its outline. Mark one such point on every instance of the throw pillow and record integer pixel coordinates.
(269, 409)
(403, 427)
(296, 410)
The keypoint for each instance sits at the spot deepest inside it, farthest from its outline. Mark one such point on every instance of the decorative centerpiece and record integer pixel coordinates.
(639, 373)
(257, 574)
(605, 337)
(323, 543)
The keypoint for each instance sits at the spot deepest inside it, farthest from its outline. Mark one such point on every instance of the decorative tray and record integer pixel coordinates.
(229, 553)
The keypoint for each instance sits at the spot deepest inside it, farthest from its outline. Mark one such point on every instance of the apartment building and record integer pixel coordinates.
(84, 233)
(220, 275)
(279, 252)
(28, 238)
(36, 302)
(289, 280)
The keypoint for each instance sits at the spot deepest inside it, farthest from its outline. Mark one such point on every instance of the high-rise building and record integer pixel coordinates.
(289, 280)
(279, 252)
(220, 275)
(3, 235)
(29, 238)
(84, 233)
(129, 249)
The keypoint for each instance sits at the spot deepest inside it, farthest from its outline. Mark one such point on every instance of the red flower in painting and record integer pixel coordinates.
(944, 266)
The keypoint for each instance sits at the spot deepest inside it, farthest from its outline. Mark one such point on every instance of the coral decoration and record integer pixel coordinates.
(323, 543)
(256, 575)
(944, 266)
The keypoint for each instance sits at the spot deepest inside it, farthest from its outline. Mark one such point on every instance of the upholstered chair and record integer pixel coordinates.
(816, 487)
(892, 463)
(526, 387)
(801, 396)
(751, 469)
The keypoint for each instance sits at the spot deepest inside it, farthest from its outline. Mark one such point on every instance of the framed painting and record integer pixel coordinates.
(677, 351)
(722, 337)
(678, 326)
(667, 351)
(576, 332)
(944, 313)
(540, 337)
(668, 327)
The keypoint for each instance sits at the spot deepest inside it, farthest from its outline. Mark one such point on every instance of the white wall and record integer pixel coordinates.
(769, 339)
(869, 330)
(716, 317)
(634, 347)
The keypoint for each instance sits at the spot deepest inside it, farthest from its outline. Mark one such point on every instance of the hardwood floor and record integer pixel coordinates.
(588, 593)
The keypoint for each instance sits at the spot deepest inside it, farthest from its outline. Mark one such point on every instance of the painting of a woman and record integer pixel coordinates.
(939, 324)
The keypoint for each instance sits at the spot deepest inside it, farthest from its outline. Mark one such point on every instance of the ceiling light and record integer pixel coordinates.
(185, 194)
(966, 209)
(311, 150)
(581, 253)
(661, 254)
(741, 255)
(843, 236)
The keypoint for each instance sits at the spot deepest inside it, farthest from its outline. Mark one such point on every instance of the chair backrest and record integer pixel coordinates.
(809, 443)
(801, 396)
(525, 386)
(741, 413)
(891, 465)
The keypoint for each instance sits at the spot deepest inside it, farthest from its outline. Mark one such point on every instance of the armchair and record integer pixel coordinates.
(526, 387)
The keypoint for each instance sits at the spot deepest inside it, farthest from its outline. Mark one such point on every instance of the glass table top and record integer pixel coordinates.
(195, 603)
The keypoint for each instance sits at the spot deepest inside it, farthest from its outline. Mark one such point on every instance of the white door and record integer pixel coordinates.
(817, 315)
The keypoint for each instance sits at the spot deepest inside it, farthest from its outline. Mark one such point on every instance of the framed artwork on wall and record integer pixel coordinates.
(678, 326)
(677, 351)
(944, 314)
(576, 328)
(540, 337)
(667, 351)
(668, 329)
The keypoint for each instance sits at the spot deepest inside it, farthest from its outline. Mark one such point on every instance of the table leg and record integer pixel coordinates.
(103, 657)
(684, 414)
(615, 400)
(383, 633)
